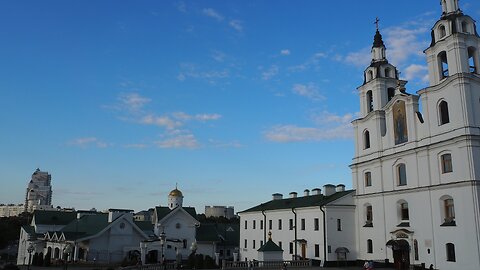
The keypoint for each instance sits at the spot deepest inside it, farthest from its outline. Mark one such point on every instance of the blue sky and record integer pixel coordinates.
(232, 100)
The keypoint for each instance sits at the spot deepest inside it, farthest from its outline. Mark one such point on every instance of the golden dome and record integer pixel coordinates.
(175, 193)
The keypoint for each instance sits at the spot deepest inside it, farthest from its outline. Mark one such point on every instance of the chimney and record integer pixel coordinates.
(113, 214)
(306, 192)
(316, 191)
(328, 189)
(277, 196)
(293, 194)
(340, 188)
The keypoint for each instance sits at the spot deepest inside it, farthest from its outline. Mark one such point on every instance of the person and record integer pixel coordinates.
(368, 265)
(284, 266)
(365, 265)
(431, 267)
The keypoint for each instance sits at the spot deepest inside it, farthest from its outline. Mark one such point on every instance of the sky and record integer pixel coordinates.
(232, 100)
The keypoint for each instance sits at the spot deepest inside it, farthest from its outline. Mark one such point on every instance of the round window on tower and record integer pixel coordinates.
(122, 225)
(178, 225)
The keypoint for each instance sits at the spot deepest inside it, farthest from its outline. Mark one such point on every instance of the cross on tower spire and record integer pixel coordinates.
(377, 20)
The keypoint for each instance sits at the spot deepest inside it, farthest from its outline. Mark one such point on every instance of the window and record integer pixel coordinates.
(450, 252)
(464, 27)
(317, 250)
(443, 112)
(261, 224)
(316, 224)
(270, 224)
(402, 174)
(291, 248)
(184, 243)
(368, 179)
(369, 216)
(246, 225)
(473, 60)
(245, 244)
(339, 224)
(369, 246)
(280, 244)
(279, 224)
(329, 249)
(446, 163)
(443, 64)
(387, 73)
(369, 101)
(254, 224)
(253, 244)
(290, 224)
(366, 139)
(442, 31)
(302, 224)
(390, 93)
(261, 243)
(404, 215)
(369, 75)
(448, 212)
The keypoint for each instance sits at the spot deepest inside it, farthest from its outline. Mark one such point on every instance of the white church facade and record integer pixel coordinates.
(416, 172)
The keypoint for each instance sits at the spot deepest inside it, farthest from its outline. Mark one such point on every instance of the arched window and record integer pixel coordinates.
(443, 112)
(472, 60)
(446, 162)
(369, 101)
(401, 174)
(441, 31)
(369, 246)
(368, 179)
(450, 252)
(387, 72)
(390, 93)
(366, 139)
(448, 211)
(368, 215)
(443, 65)
(369, 75)
(404, 214)
(464, 27)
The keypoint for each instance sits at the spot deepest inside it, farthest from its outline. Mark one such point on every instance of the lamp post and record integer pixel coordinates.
(163, 238)
(67, 250)
(30, 249)
(193, 248)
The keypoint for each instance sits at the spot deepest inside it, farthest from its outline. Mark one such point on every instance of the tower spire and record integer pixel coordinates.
(378, 48)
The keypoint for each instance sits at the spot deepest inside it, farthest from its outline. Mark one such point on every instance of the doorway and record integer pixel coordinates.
(401, 254)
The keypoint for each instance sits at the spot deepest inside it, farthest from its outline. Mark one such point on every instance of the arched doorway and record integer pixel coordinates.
(152, 257)
(401, 253)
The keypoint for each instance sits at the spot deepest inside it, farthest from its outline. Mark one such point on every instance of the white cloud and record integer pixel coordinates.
(178, 139)
(189, 70)
(133, 102)
(312, 62)
(181, 6)
(308, 90)
(136, 145)
(415, 71)
(218, 56)
(236, 24)
(271, 72)
(88, 141)
(207, 117)
(360, 58)
(285, 52)
(210, 12)
(161, 121)
(403, 43)
(329, 126)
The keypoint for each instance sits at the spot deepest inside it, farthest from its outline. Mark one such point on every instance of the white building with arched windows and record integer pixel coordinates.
(417, 173)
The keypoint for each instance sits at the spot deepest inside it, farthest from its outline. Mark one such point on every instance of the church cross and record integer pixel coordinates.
(376, 22)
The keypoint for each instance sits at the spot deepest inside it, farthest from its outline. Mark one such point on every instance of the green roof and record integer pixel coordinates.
(145, 226)
(53, 217)
(86, 226)
(270, 246)
(219, 232)
(305, 201)
(164, 211)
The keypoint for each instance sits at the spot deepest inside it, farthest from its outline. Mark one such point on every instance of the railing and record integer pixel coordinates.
(268, 264)
(151, 267)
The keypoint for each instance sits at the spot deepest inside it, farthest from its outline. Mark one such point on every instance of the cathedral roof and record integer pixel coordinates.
(378, 40)
(175, 193)
(305, 201)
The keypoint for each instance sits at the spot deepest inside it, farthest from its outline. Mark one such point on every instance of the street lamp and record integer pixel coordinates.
(163, 238)
(30, 249)
(193, 248)
(67, 250)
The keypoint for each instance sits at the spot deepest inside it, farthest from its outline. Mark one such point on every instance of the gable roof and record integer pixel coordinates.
(270, 246)
(86, 226)
(299, 202)
(47, 217)
(162, 212)
(219, 232)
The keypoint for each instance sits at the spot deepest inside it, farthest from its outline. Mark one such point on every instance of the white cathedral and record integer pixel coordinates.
(416, 171)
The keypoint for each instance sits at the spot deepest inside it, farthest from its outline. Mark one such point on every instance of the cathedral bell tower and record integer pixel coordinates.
(380, 79)
(454, 46)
